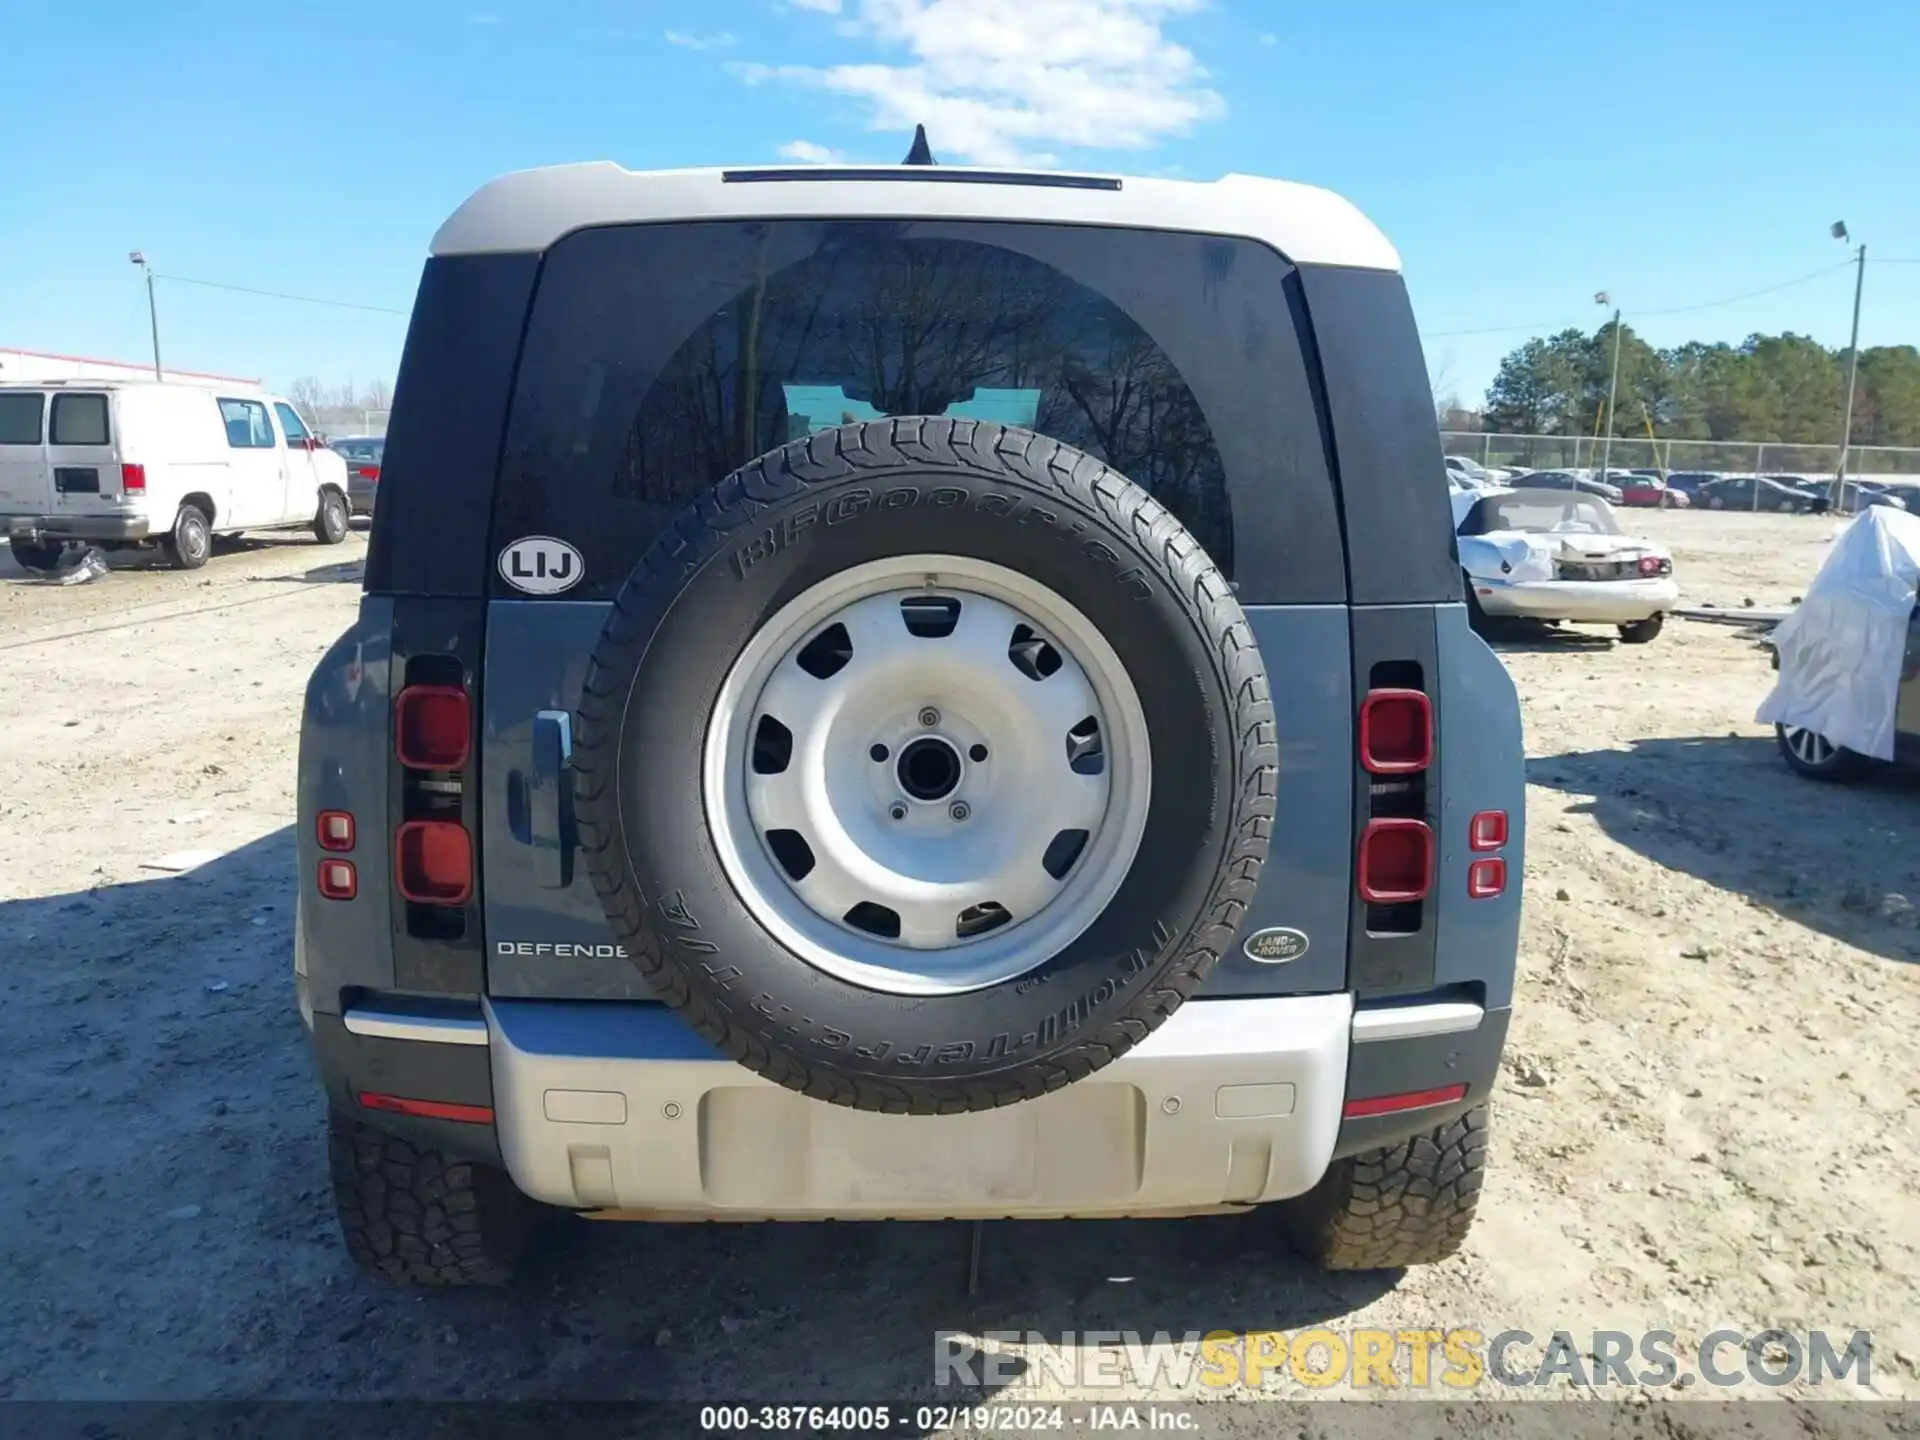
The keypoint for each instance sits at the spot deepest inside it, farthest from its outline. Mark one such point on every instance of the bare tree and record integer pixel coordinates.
(309, 397)
(377, 396)
(1445, 387)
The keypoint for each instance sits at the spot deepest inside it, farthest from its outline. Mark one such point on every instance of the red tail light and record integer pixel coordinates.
(1396, 732)
(367, 472)
(337, 880)
(1396, 862)
(334, 830)
(433, 862)
(1486, 879)
(133, 479)
(1487, 830)
(432, 727)
(428, 1109)
(1391, 1104)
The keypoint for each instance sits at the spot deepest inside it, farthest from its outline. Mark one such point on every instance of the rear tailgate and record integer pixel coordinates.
(1349, 585)
(26, 482)
(608, 436)
(83, 453)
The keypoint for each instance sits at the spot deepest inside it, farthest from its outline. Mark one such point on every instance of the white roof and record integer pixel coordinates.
(531, 209)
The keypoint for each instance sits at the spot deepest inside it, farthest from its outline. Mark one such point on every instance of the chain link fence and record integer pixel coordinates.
(1726, 457)
(340, 421)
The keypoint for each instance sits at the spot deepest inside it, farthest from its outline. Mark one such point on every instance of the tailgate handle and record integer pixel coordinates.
(550, 799)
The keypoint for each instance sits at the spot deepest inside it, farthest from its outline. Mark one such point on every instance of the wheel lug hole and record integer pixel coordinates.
(977, 753)
(959, 810)
(897, 810)
(929, 716)
(878, 754)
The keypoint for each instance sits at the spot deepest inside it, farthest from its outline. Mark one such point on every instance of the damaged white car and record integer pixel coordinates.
(1559, 556)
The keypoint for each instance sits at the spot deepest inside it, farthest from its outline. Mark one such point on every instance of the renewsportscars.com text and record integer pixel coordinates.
(1412, 1359)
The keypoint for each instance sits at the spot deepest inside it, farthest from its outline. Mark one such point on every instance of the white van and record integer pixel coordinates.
(125, 464)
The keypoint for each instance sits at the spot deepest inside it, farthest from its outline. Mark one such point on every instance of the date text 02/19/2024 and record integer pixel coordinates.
(935, 1419)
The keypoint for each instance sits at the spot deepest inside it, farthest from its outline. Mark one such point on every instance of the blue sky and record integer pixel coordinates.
(1522, 154)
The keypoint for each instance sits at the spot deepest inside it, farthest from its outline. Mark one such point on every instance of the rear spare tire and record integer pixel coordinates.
(925, 765)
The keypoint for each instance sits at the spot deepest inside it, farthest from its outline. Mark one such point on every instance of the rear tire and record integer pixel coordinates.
(330, 525)
(1818, 758)
(420, 1217)
(41, 557)
(1642, 631)
(1409, 1203)
(191, 542)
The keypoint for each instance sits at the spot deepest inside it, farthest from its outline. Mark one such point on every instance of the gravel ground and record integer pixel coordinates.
(1706, 1120)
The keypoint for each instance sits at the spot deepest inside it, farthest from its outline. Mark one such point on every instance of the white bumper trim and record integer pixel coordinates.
(1606, 602)
(399, 1025)
(1411, 1022)
(621, 1108)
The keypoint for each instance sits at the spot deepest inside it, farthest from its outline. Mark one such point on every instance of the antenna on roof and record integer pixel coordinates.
(921, 153)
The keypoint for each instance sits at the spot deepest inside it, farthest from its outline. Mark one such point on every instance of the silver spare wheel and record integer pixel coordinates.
(927, 765)
(927, 774)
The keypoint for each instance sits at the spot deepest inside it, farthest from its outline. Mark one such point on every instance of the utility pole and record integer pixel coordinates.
(1613, 384)
(1839, 232)
(153, 313)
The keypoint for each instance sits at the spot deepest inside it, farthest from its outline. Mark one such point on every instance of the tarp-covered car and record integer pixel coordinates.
(1560, 556)
(1848, 695)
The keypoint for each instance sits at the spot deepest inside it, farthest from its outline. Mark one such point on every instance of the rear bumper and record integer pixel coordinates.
(360, 497)
(34, 529)
(618, 1109)
(621, 1108)
(1599, 602)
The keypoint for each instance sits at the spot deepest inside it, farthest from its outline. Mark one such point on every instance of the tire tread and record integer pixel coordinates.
(1409, 1203)
(417, 1216)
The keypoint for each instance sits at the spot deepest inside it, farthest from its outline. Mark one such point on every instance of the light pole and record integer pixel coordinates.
(1613, 383)
(153, 313)
(1839, 232)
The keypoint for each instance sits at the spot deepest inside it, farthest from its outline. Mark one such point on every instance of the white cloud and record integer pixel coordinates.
(998, 82)
(687, 41)
(806, 152)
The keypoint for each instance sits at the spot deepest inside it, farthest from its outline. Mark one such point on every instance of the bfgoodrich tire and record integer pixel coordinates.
(1042, 565)
(419, 1217)
(1409, 1203)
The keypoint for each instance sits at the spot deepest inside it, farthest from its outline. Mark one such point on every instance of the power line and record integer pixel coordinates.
(1750, 295)
(1491, 330)
(1676, 310)
(281, 295)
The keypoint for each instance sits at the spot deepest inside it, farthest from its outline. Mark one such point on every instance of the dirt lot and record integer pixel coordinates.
(1707, 1116)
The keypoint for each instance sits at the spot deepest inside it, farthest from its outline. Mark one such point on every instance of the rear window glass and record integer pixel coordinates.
(20, 418)
(1541, 511)
(659, 358)
(79, 420)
